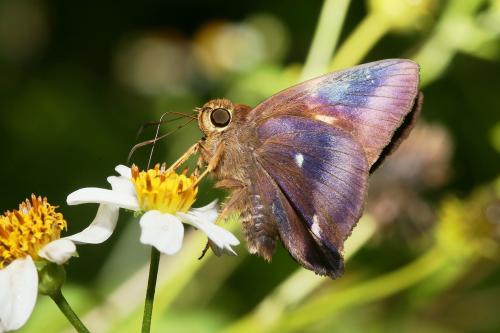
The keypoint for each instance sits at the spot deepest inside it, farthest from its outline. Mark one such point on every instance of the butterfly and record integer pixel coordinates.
(297, 164)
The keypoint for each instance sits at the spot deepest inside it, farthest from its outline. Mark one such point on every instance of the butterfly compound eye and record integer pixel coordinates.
(220, 117)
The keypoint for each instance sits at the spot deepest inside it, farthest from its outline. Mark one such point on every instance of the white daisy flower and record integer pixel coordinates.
(29, 234)
(165, 197)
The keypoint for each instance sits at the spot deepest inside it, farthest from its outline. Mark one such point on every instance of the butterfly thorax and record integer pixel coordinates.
(233, 149)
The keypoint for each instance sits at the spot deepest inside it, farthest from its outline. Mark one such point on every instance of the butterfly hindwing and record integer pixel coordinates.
(302, 245)
(321, 174)
(369, 101)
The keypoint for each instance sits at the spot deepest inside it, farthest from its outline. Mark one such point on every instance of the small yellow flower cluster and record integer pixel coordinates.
(25, 231)
(165, 191)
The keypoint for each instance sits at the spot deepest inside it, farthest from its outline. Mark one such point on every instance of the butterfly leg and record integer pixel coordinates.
(212, 164)
(238, 193)
(232, 205)
(192, 150)
(199, 164)
(204, 251)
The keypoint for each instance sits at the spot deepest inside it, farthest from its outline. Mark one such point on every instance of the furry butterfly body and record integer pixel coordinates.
(297, 164)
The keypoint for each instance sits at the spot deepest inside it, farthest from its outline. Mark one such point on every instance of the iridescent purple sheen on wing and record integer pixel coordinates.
(312, 147)
(368, 101)
(321, 170)
(371, 101)
(305, 247)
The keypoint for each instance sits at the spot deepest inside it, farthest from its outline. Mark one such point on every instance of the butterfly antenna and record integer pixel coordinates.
(157, 138)
(154, 123)
(161, 122)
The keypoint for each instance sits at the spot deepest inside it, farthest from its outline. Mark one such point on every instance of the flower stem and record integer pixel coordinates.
(361, 41)
(150, 292)
(325, 38)
(66, 309)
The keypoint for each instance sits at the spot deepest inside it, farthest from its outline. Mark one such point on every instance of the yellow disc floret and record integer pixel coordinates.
(24, 231)
(162, 190)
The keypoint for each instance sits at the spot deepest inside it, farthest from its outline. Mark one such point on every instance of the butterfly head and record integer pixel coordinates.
(215, 115)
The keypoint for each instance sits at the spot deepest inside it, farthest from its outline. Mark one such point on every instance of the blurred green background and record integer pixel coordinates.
(78, 79)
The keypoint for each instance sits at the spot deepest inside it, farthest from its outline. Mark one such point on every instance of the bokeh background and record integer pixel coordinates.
(78, 79)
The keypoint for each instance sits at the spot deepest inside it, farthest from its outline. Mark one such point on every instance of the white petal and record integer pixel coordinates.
(100, 229)
(208, 213)
(58, 251)
(124, 171)
(18, 292)
(163, 231)
(212, 207)
(122, 184)
(100, 195)
(219, 251)
(204, 220)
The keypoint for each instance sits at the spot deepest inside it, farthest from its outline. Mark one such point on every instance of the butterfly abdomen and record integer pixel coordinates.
(260, 231)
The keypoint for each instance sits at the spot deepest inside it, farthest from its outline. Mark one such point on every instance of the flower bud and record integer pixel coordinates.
(51, 277)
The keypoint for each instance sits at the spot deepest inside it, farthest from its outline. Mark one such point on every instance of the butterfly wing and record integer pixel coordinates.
(319, 174)
(370, 101)
(296, 236)
(318, 142)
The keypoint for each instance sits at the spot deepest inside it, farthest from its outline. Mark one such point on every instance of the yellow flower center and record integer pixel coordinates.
(23, 232)
(162, 190)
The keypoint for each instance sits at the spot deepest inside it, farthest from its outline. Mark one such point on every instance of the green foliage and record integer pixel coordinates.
(78, 80)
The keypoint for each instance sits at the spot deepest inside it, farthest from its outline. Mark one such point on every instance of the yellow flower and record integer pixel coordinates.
(165, 191)
(165, 197)
(25, 231)
(27, 234)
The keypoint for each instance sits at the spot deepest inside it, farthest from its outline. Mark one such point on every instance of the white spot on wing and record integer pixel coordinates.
(326, 119)
(315, 226)
(299, 159)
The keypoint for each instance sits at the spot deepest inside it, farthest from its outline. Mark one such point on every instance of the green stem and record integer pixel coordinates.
(150, 292)
(325, 38)
(297, 287)
(438, 51)
(360, 42)
(378, 288)
(66, 309)
(170, 283)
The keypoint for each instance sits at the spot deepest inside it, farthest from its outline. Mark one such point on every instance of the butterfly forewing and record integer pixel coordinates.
(369, 101)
